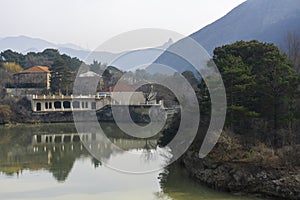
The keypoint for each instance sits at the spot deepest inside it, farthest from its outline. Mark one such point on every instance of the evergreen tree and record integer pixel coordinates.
(61, 77)
(260, 82)
(239, 83)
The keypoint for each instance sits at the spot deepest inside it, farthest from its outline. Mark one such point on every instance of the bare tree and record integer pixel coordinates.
(292, 50)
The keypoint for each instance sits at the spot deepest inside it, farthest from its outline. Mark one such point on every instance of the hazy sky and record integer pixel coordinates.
(88, 23)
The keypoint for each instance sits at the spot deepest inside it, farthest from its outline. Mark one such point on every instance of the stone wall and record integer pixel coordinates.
(31, 80)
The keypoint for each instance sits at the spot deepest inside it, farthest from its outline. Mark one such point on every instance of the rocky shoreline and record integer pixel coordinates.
(244, 177)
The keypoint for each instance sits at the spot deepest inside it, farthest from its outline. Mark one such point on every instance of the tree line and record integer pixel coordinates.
(261, 82)
(262, 91)
(63, 67)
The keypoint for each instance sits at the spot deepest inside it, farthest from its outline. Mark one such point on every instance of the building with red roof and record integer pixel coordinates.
(37, 69)
(121, 87)
(35, 79)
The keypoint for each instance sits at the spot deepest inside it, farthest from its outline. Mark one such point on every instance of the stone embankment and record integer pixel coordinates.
(245, 177)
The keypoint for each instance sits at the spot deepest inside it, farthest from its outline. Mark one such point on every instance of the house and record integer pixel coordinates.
(35, 80)
(34, 77)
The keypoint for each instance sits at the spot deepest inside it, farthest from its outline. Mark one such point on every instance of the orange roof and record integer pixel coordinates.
(121, 87)
(37, 69)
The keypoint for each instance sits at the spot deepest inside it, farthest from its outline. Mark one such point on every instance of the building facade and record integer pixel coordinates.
(35, 80)
(34, 77)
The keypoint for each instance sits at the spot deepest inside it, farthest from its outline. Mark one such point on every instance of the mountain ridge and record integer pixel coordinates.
(23, 44)
(263, 20)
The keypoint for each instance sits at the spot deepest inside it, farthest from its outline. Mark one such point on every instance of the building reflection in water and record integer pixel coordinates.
(57, 152)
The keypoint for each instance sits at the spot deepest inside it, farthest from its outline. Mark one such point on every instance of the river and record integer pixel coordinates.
(35, 165)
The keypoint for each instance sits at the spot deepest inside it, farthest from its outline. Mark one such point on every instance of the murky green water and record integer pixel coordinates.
(36, 164)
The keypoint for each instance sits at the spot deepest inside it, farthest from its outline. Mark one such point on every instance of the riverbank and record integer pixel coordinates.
(259, 170)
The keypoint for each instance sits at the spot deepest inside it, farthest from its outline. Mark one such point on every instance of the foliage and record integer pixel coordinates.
(4, 77)
(10, 56)
(45, 58)
(190, 77)
(63, 67)
(5, 113)
(97, 67)
(238, 81)
(61, 77)
(259, 82)
(11, 67)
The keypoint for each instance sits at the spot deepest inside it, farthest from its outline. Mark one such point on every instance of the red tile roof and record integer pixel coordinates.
(37, 69)
(121, 87)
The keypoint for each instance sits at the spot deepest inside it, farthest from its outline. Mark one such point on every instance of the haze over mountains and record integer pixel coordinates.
(263, 20)
(24, 44)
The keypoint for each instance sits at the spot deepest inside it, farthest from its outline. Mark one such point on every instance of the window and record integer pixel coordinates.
(38, 106)
(93, 105)
(67, 104)
(76, 104)
(57, 104)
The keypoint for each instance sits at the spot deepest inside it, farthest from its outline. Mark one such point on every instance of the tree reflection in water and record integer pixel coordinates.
(18, 152)
(62, 163)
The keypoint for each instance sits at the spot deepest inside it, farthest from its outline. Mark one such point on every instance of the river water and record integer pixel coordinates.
(37, 164)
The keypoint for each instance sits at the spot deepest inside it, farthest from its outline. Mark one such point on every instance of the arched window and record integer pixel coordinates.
(67, 104)
(57, 105)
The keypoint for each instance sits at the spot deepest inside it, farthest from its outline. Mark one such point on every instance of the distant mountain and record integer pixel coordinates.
(24, 44)
(89, 56)
(70, 46)
(263, 20)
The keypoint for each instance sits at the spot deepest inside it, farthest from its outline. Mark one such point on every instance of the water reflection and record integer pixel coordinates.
(176, 186)
(57, 152)
(34, 165)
